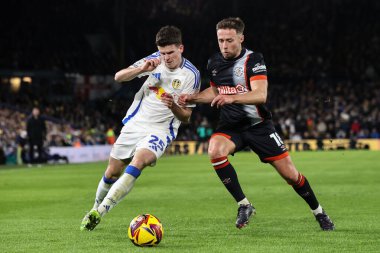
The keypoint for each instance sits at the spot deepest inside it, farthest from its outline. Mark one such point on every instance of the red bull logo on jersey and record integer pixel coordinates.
(158, 90)
(228, 90)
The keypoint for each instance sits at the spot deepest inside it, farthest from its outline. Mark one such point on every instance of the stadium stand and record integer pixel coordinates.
(322, 60)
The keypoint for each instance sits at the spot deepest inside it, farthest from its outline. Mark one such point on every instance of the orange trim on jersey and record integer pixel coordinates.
(258, 77)
(245, 73)
(218, 159)
(221, 165)
(277, 157)
(212, 84)
(221, 134)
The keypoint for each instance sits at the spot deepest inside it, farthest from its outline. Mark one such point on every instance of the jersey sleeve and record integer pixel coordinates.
(255, 68)
(193, 84)
(140, 62)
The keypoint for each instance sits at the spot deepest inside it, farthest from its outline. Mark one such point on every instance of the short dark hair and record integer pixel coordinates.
(231, 23)
(169, 35)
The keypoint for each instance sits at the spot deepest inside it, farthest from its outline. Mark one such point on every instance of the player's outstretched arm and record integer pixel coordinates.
(131, 72)
(204, 97)
(257, 95)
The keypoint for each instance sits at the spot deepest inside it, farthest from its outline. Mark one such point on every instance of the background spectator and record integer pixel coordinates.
(36, 130)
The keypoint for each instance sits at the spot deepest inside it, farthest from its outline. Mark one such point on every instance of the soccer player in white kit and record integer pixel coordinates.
(151, 122)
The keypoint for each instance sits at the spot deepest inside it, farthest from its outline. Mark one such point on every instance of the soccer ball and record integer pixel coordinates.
(145, 230)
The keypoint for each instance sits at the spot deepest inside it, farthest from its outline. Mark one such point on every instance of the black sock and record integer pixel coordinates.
(302, 187)
(228, 176)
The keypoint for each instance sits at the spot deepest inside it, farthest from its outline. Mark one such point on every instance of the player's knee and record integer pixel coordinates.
(142, 162)
(215, 151)
(139, 163)
(112, 172)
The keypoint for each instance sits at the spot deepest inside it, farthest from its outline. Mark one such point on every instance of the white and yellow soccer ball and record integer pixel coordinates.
(145, 230)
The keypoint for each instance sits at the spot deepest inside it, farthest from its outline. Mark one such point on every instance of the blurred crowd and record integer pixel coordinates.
(324, 79)
(326, 109)
(314, 110)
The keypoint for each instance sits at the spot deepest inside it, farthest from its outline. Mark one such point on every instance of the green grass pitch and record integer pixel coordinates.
(41, 208)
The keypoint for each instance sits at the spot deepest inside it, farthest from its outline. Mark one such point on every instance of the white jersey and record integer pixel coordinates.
(147, 111)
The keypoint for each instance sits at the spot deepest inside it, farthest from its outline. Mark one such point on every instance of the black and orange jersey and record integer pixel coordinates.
(233, 76)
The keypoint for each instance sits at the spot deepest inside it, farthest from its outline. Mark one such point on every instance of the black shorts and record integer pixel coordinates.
(261, 138)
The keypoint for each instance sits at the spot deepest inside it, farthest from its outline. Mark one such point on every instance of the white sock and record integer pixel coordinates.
(101, 192)
(318, 210)
(244, 202)
(118, 191)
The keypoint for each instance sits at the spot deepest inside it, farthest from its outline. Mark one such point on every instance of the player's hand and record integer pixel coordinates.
(183, 100)
(150, 65)
(168, 100)
(221, 100)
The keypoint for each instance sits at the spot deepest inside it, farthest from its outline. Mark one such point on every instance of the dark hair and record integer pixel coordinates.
(169, 35)
(231, 23)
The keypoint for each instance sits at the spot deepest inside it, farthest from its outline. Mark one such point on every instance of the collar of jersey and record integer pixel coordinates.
(183, 62)
(243, 50)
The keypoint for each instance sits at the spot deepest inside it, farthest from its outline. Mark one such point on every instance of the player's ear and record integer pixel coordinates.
(241, 38)
(181, 48)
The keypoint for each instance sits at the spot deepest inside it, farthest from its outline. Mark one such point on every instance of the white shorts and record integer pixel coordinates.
(129, 142)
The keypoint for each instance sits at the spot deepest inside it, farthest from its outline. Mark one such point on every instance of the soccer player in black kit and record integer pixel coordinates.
(238, 86)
